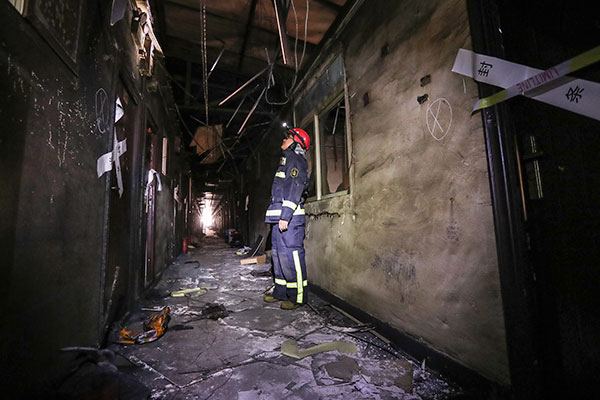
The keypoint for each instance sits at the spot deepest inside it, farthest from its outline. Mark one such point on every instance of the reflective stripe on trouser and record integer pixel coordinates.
(285, 283)
(289, 267)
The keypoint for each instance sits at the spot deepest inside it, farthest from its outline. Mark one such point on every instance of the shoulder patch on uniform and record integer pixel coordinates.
(282, 161)
(294, 172)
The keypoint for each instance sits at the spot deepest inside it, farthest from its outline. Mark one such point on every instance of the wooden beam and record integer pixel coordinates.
(247, 32)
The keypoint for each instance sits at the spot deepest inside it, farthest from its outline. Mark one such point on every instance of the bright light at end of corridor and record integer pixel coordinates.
(207, 219)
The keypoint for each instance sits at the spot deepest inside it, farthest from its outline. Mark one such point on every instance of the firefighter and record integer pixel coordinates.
(287, 218)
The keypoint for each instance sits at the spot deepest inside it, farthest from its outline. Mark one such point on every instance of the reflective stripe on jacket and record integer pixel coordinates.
(289, 183)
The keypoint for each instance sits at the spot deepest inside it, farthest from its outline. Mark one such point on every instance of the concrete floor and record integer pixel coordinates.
(239, 356)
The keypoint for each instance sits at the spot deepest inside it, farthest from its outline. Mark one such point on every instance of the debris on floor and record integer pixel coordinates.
(154, 328)
(230, 344)
(243, 251)
(214, 311)
(290, 348)
(261, 274)
(343, 369)
(197, 291)
(254, 260)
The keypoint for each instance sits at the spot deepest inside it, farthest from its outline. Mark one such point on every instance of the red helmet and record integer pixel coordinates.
(300, 136)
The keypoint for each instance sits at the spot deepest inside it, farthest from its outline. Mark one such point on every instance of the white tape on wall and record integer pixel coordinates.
(105, 162)
(575, 95)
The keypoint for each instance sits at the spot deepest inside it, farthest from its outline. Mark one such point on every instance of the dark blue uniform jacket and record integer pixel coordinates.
(290, 182)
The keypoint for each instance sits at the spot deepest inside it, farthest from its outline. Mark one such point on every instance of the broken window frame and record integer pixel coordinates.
(165, 155)
(314, 117)
(67, 53)
(324, 172)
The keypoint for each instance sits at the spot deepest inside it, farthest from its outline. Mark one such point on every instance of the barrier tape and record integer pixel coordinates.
(576, 95)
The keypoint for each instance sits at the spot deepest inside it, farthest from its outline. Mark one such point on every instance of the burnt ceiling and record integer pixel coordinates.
(226, 43)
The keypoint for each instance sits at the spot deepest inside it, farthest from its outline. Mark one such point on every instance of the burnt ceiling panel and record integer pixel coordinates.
(242, 39)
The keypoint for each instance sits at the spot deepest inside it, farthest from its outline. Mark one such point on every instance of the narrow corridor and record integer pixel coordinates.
(239, 356)
(448, 230)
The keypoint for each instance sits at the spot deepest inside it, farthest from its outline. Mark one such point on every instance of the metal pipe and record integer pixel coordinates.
(215, 63)
(244, 85)
(252, 110)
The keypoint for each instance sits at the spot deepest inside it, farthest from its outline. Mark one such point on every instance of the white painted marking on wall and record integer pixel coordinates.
(101, 110)
(50, 136)
(442, 106)
(61, 157)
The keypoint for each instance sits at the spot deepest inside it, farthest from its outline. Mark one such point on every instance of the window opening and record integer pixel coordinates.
(334, 160)
(310, 160)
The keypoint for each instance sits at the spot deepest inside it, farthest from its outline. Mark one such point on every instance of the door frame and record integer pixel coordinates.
(149, 225)
(516, 273)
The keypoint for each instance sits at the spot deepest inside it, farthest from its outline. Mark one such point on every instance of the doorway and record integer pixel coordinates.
(547, 160)
(152, 185)
(118, 267)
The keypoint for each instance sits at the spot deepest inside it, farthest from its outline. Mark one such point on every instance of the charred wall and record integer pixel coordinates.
(412, 241)
(64, 230)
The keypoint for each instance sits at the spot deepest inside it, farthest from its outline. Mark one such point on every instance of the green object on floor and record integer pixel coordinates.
(270, 299)
(180, 293)
(290, 348)
(289, 305)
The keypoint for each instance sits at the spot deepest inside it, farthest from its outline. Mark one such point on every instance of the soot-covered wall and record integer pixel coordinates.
(65, 232)
(413, 244)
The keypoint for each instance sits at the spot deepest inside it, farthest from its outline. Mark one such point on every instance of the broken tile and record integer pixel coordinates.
(343, 369)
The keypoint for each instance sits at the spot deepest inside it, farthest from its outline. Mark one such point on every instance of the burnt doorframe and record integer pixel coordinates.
(120, 79)
(149, 213)
(516, 278)
(136, 181)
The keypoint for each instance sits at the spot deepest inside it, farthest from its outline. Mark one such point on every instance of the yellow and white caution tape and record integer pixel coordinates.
(576, 95)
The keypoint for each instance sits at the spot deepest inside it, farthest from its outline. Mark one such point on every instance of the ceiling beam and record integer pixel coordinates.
(224, 110)
(235, 21)
(186, 50)
(182, 79)
(330, 5)
(247, 32)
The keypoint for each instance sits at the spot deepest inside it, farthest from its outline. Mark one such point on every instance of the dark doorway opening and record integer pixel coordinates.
(545, 177)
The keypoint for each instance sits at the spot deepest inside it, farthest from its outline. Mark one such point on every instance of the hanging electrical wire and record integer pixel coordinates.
(297, 64)
(204, 57)
(296, 37)
(305, 30)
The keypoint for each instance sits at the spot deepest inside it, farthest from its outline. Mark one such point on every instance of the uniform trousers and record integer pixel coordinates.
(289, 267)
